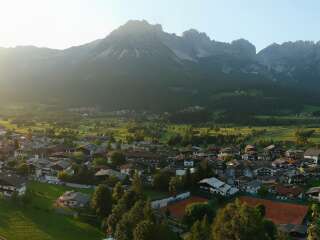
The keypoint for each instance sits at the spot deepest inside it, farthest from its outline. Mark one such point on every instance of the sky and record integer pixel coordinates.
(65, 23)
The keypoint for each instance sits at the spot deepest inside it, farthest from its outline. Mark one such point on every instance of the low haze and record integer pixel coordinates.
(61, 24)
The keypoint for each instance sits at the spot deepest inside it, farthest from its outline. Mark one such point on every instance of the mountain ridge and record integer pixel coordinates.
(141, 66)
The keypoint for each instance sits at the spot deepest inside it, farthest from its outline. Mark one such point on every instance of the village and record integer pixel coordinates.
(284, 181)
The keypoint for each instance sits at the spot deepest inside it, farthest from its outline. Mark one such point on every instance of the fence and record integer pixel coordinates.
(76, 185)
(164, 202)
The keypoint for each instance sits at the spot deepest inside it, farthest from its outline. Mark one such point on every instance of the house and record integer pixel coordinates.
(268, 180)
(143, 157)
(288, 192)
(181, 172)
(314, 193)
(251, 156)
(111, 173)
(253, 186)
(131, 168)
(280, 163)
(294, 231)
(214, 185)
(246, 169)
(188, 163)
(294, 154)
(312, 154)
(73, 199)
(40, 166)
(44, 168)
(62, 165)
(250, 153)
(271, 152)
(218, 166)
(228, 152)
(264, 171)
(292, 176)
(232, 168)
(241, 182)
(11, 184)
(250, 148)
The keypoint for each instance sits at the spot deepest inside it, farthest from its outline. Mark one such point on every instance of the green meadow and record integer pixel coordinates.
(37, 220)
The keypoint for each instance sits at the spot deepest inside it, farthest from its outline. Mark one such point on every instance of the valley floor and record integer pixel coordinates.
(37, 220)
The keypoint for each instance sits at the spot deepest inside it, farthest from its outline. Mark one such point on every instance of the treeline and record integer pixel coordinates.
(127, 215)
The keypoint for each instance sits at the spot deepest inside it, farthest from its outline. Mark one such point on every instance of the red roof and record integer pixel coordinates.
(279, 212)
(288, 191)
(177, 210)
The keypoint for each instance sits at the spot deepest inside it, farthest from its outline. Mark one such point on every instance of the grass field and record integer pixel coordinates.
(38, 220)
(155, 195)
(120, 129)
(275, 133)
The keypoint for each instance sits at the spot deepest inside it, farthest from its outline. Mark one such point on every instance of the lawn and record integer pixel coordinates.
(38, 220)
(155, 195)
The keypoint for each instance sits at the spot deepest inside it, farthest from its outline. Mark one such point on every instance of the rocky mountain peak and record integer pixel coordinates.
(243, 47)
(137, 27)
(195, 35)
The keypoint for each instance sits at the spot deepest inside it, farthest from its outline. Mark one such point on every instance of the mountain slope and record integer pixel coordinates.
(140, 66)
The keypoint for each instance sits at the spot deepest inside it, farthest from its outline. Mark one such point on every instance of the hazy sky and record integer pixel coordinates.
(64, 23)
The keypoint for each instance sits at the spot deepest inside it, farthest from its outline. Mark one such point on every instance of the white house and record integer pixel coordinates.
(188, 163)
(214, 185)
(12, 184)
(74, 199)
(111, 173)
(312, 154)
(314, 193)
(253, 186)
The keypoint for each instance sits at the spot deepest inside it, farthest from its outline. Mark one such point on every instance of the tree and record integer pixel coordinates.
(144, 231)
(102, 201)
(315, 211)
(161, 180)
(263, 191)
(117, 158)
(148, 212)
(200, 230)
(314, 231)
(137, 184)
(174, 140)
(99, 161)
(203, 171)
(187, 180)
(261, 209)
(136, 213)
(130, 220)
(302, 136)
(63, 176)
(270, 229)
(197, 211)
(282, 236)
(314, 227)
(123, 229)
(162, 231)
(174, 184)
(239, 221)
(16, 144)
(115, 216)
(23, 169)
(78, 157)
(117, 192)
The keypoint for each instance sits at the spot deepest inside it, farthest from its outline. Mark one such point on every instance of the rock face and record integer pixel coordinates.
(141, 59)
(295, 62)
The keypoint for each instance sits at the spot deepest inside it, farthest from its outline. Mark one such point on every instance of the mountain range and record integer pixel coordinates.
(140, 66)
